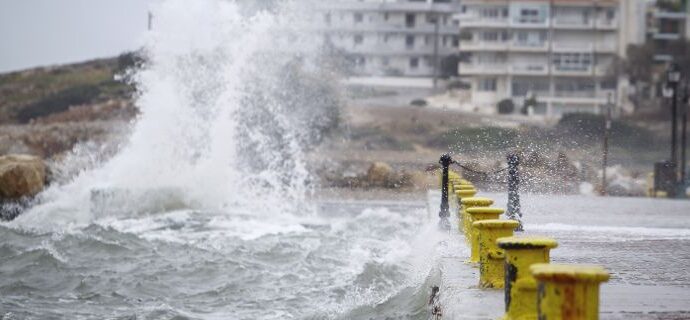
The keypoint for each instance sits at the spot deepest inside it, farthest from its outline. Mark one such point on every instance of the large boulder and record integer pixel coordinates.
(21, 176)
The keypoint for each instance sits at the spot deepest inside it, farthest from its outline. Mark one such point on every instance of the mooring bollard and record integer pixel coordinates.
(467, 203)
(457, 187)
(568, 292)
(520, 286)
(513, 212)
(444, 212)
(491, 257)
(479, 214)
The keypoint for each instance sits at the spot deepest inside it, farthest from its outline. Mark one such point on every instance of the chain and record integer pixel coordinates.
(479, 172)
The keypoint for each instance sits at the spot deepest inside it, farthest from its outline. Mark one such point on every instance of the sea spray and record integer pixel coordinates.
(230, 97)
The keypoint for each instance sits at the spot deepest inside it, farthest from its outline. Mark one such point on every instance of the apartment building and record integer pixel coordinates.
(668, 21)
(561, 52)
(392, 37)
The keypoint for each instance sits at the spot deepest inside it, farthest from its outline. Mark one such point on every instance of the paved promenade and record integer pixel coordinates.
(644, 244)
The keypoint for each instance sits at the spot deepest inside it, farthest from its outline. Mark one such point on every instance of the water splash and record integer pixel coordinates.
(230, 97)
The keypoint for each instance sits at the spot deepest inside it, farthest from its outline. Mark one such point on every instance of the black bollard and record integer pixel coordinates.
(513, 195)
(444, 213)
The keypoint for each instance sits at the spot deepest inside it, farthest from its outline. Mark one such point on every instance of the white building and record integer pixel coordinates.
(394, 38)
(562, 52)
(668, 23)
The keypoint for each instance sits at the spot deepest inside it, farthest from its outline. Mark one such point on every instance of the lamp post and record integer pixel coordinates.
(607, 130)
(672, 79)
(684, 137)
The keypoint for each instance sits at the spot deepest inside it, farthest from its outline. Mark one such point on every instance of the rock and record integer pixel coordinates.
(21, 176)
(380, 174)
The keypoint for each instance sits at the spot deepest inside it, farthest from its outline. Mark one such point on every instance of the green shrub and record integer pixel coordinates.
(58, 102)
(466, 139)
(506, 106)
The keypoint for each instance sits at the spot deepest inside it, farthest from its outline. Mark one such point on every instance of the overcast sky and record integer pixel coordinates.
(46, 32)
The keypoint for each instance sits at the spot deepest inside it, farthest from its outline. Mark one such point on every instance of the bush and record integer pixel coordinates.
(418, 103)
(58, 102)
(588, 127)
(506, 106)
(473, 139)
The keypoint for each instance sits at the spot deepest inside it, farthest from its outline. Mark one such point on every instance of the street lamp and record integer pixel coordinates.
(673, 76)
(684, 138)
(607, 129)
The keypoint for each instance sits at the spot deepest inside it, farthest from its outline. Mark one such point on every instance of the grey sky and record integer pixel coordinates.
(46, 32)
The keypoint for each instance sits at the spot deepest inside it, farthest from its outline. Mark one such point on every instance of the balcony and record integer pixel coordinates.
(569, 22)
(606, 47)
(529, 46)
(471, 68)
(528, 69)
(529, 24)
(572, 47)
(572, 71)
(469, 45)
(607, 24)
(478, 22)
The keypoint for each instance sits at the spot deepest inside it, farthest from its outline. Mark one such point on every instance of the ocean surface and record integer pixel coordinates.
(349, 261)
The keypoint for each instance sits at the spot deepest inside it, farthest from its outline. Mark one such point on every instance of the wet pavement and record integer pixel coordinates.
(643, 243)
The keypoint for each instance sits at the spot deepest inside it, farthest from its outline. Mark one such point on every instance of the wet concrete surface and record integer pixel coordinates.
(643, 243)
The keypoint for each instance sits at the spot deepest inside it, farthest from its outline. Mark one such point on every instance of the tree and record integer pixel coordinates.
(506, 106)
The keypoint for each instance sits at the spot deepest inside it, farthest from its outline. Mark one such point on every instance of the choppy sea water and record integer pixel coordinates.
(347, 262)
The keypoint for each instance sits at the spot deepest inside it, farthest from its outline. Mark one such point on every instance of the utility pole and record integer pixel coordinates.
(150, 16)
(607, 131)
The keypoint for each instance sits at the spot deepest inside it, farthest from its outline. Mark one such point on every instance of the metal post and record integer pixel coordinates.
(674, 122)
(513, 195)
(444, 213)
(684, 139)
(607, 132)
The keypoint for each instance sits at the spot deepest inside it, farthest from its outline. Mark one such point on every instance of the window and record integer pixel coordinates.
(385, 38)
(427, 40)
(610, 14)
(409, 20)
(414, 63)
(456, 41)
(327, 18)
(385, 16)
(572, 61)
(409, 41)
(530, 15)
(490, 36)
(385, 61)
(487, 84)
(358, 39)
(358, 17)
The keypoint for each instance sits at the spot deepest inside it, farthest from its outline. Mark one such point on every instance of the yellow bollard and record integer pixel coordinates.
(478, 214)
(458, 187)
(467, 203)
(568, 292)
(520, 286)
(491, 257)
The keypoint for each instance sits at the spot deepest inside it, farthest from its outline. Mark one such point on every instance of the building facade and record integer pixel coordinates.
(562, 53)
(668, 21)
(392, 38)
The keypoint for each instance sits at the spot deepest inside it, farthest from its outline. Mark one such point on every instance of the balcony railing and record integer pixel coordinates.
(610, 46)
(607, 23)
(528, 45)
(529, 69)
(482, 68)
(575, 23)
(471, 45)
(572, 47)
(468, 21)
(572, 70)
